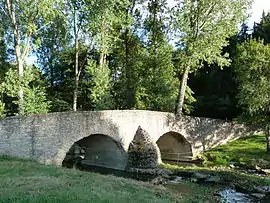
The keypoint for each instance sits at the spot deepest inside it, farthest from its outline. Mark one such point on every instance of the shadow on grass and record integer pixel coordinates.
(9, 158)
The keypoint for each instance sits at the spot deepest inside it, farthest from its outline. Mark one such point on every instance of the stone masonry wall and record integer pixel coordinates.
(47, 137)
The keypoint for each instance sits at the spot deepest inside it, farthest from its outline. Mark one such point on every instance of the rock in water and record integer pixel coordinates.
(215, 179)
(231, 196)
(143, 152)
(199, 175)
(159, 181)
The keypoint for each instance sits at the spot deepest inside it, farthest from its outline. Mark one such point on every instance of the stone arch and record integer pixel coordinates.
(174, 147)
(98, 150)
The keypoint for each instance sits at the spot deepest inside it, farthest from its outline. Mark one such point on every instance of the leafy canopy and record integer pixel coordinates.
(33, 87)
(252, 67)
(204, 26)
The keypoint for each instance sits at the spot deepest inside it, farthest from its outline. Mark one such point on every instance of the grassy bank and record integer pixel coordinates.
(247, 152)
(26, 181)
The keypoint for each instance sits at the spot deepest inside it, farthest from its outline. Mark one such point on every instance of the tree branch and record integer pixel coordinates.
(27, 45)
(207, 15)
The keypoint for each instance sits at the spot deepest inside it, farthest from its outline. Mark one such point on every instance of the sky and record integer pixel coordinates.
(256, 13)
(257, 8)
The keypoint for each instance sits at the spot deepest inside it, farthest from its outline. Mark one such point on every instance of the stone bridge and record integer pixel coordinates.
(106, 135)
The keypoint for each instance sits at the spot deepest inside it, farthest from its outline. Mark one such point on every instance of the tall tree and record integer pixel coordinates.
(217, 97)
(159, 83)
(107, 22)
(63, 90)
(204, 27)
(53, 39)
(22, 19)
(127, 60)
(261, 30)
(252, 67)
(128, 71)
(76, 16)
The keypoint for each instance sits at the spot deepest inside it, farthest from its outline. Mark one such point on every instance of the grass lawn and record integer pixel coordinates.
(26, 181)
(249, 151)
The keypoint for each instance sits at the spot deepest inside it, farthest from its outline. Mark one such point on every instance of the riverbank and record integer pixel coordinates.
(26, 181)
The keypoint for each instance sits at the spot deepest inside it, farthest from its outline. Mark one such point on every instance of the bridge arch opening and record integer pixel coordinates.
(96, 150)
(174, 147)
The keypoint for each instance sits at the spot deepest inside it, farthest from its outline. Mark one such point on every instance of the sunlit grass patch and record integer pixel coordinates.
(249, 151)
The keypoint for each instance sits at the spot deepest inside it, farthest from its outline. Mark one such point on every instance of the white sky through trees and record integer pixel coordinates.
(257, 8)
(256, 13)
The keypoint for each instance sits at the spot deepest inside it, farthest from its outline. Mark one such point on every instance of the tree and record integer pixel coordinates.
(159, 83)
(252, 67)
(52, 40)
(77, 20)
(216, 98)
(204, 27)
(63, 90)
(100, 84)
(261, 30)
(33, 87)
(22, 19)
(107, 25)
(128, 72)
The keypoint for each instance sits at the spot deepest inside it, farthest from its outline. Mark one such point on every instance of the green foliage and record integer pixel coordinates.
(261, 30)
(33, 87)
(252, 65)
(2, 110)
(131, 64)
(104, 17)
(100, 85)
(54, 38)
(205, 27)
(28, 14)
(128, 72)
(158, 89)
(189, 101)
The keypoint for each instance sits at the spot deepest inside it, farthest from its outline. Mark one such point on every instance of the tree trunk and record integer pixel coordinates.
(129, 92)
(267, 135)
(76, 78)
(21, 74)
(51, 71)
(181, 94)
(102, 59)
(18, 52)
(76, 82)
(128, 73)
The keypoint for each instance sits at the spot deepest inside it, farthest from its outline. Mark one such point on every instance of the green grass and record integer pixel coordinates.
(26, 181)
(249, 151)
